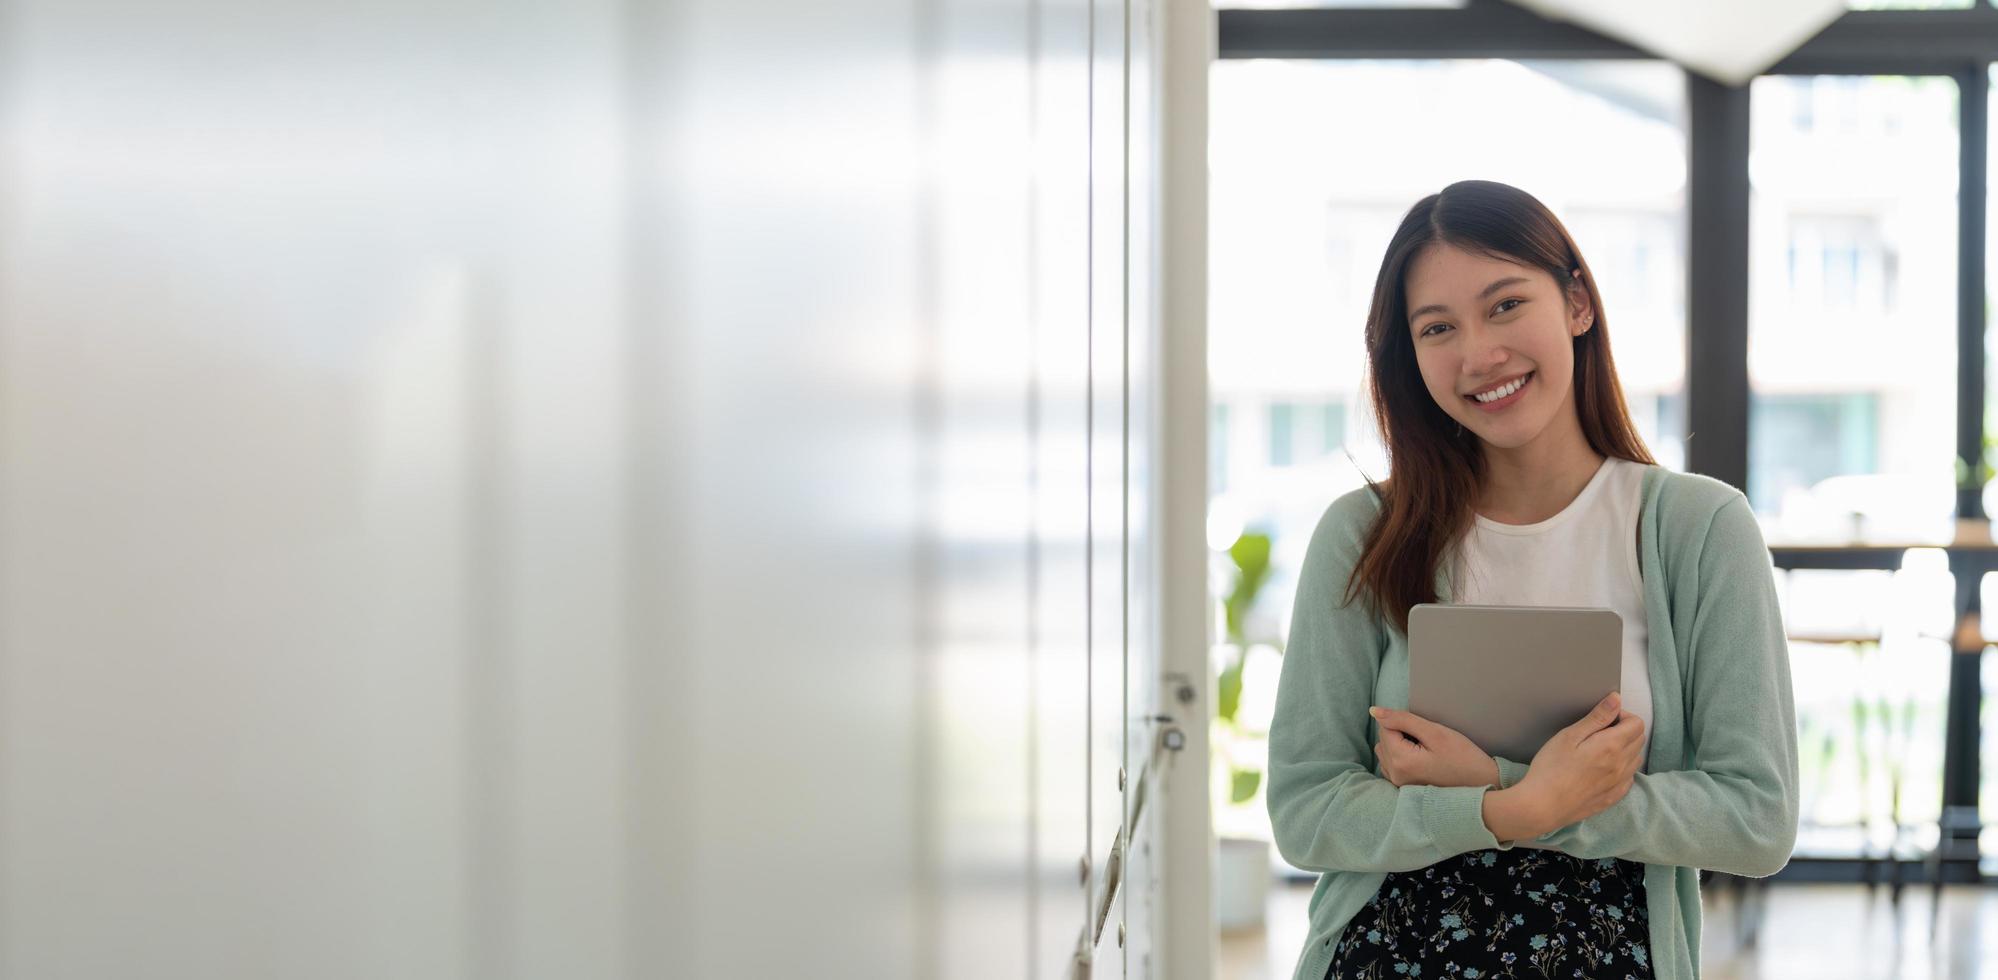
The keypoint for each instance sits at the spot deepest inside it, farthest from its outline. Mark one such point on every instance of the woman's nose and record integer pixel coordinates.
(1485, 353)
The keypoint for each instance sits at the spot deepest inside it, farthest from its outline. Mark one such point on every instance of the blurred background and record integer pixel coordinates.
(685, 489)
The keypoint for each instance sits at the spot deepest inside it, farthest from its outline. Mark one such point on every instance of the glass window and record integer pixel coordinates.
(1841, 348)
(1332, 422)
(1305, 432)
(1283, 421)
(1871, 678)
(1803, 440)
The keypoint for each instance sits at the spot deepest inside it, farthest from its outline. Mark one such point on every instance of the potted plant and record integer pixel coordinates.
(1240, 742)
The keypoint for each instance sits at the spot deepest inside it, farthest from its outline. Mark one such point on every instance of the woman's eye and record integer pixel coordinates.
(1434, 329)
(1506, 306)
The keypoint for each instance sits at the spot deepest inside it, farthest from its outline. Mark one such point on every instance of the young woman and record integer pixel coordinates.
(1517, 478)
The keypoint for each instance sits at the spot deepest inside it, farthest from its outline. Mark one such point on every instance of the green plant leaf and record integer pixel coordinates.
(1245, 783)
(1251, 551)
(1251, 555)
(1229, 691)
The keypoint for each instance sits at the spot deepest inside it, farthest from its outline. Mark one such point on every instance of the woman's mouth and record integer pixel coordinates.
(1504, 396)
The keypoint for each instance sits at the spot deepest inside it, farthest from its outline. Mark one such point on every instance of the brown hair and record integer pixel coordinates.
(1436, 467)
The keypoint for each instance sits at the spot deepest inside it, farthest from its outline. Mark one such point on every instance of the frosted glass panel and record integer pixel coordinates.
(598, 490)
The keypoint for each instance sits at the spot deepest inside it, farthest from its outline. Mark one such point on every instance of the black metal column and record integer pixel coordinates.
(1962, 765)
(1973, 126)
(1961, 762)
(1717, 282)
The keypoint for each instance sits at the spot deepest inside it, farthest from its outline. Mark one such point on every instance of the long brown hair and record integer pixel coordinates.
(1436, 467)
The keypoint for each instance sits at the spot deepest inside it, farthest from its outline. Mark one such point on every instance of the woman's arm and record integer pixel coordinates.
(1329, 810)
(1584, 768)
(1734, 808)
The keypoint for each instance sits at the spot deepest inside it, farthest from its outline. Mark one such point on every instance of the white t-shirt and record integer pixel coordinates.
(1586, 555)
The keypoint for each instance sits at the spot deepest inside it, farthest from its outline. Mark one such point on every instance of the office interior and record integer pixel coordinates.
(708, 490)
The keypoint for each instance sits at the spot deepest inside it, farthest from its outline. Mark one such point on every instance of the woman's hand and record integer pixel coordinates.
(1587, 766)
(1415, 751)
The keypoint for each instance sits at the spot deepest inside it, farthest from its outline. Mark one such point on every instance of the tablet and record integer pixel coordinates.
(1509, 677)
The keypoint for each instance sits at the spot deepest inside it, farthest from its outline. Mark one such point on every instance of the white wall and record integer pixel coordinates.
(667, 488)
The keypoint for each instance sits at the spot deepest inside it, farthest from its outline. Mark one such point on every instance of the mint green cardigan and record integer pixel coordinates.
(1719, 786)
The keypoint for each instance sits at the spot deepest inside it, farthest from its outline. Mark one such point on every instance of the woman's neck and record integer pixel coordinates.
(1531, 483)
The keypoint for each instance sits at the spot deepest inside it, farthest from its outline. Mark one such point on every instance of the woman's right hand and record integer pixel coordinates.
(1587, 766)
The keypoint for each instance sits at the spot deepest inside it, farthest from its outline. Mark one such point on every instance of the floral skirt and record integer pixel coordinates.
(1515, 913)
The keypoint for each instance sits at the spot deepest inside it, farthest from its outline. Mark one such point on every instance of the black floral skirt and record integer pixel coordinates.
(1516, 913)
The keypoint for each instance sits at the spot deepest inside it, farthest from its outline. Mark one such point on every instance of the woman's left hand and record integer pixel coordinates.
(1415, 751)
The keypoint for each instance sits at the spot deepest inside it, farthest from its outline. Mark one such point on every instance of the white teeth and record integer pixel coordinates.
(1492, 396)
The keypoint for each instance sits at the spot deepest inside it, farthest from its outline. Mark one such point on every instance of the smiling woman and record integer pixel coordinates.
(1518, 479)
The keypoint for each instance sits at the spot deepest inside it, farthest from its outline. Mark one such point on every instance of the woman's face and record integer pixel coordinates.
(1482, 325)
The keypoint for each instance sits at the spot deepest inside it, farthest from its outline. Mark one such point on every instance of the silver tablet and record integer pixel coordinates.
(1509, 677)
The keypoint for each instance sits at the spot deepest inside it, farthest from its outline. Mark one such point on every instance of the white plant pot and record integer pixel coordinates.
(1241, 883)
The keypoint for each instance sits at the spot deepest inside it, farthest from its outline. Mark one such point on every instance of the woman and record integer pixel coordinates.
(1517, 478)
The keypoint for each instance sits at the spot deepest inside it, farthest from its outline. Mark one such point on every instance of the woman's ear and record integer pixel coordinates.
(1581, 313)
